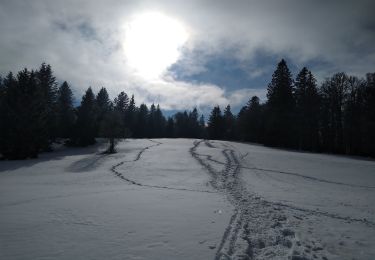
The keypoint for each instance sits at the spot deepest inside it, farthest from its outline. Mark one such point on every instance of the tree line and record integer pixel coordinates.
(35, 112)
(337, 117)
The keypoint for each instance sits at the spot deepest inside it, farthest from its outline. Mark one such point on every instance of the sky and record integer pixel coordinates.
(185, 54)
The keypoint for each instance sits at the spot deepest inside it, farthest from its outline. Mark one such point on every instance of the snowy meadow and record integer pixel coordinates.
(187, 199)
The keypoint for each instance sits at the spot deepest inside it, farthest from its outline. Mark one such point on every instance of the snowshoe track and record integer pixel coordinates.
(257, 228)
(133, 182)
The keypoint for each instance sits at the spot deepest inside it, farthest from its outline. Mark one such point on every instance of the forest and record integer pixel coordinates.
(338, 116)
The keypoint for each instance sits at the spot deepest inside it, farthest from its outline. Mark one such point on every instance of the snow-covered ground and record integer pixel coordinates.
(187, 199)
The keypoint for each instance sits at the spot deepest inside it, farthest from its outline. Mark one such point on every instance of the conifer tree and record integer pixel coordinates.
(181, 125)
(48, 88)
(151, 122)
(307, 111)
(112, 128)
(202, 127)
(280, 108)
(142, 119)
(121, 102)
(334, 92)
(86, 124)
(369, 115)
(23, 136)
(229, 124)
(8, 100)
(130, 116)
(169, 131)
(251, 121)
(216, 124)
(103, 106)
(353, 117)
(65, 111)
(193, 124)
(160, 123)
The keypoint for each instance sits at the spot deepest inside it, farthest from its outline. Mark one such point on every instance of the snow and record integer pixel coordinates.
(187, 199)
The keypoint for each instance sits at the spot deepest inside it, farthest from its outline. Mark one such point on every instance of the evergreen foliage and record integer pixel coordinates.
(280, 108)
(337, 117)
(216, 125)
(86, 124)
(65, 114)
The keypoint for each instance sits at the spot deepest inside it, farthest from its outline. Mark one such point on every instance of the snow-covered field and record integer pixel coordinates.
(187, 199)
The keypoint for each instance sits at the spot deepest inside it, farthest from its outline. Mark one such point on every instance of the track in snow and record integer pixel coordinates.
(133, 182)
(257, 228)
(209, 158)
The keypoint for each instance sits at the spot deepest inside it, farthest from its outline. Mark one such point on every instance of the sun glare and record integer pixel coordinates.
(152, 43)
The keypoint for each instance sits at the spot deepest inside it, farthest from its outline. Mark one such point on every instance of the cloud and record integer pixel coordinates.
(83, 41)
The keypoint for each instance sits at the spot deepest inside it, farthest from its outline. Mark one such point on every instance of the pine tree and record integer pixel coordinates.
(130, 117)
(23, 136)
(334, 92)
(112, 128)
(160, 123)
(169, 131)
(369, 114)
(202, 127)
(181, 125)
(193, 124)
(48, 88)
(121, 102)
(280, 108)
(229, 123)
(65, 111)
(251, 119)
(103, 106)
(86, 124)
(151, 122)
(354, 118)
(3, 117)
(142, 119)
(8, 108)
(307, 111)
(216, 124)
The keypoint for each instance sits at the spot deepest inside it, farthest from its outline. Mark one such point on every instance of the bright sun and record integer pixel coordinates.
(152, 43)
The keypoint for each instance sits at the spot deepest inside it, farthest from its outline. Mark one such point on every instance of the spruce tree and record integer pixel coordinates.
(280, 108)
(86, 124)
(169, 130)
(254, 121)
(142, 120)
(112, 128)
(160, 123)
(193, 124)
(103, 106)
(48, 89)
(130, 117)
(307, 111)
(334, 92)
(151, 122)
(229, 124)
(121, 103)
(65, 111)
(24, 133)
(369, 114)
(202, 127)
(216, 124)
(3, 118)
(8, 104)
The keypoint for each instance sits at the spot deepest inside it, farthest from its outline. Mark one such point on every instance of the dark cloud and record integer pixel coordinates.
(233, 45)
